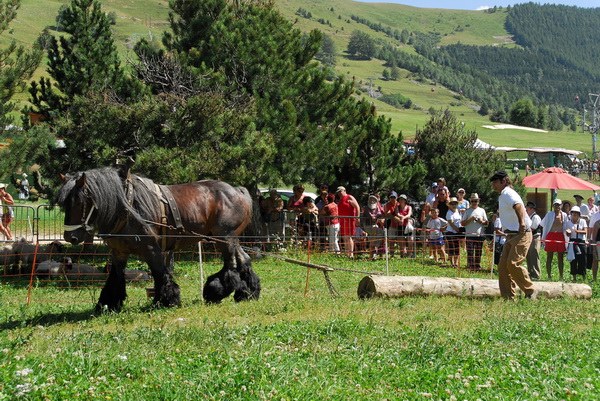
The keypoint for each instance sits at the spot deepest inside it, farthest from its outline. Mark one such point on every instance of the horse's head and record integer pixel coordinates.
(79, 207)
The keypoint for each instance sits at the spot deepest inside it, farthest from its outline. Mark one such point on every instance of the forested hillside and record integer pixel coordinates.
(570, 34)
(545, 53)
(556, 59)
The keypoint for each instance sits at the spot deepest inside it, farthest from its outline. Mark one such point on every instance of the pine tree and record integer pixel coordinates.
(447, 150)
(361, 45)
(16, 63)
(326, 54)
(524, 113)
(85, 59)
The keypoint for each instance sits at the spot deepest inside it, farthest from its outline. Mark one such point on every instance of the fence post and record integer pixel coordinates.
(201, 265)
(387, 250)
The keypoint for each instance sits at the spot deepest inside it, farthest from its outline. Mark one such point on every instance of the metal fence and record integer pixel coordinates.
(41, 223)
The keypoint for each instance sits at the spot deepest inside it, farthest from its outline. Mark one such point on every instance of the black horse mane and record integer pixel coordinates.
(108, 190)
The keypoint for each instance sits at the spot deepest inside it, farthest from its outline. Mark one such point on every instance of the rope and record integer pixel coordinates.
(323, 268)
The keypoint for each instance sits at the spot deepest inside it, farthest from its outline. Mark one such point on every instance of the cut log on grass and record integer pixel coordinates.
(400, 286)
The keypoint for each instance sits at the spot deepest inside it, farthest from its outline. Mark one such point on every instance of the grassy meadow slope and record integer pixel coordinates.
(137, 18)
(454, 26)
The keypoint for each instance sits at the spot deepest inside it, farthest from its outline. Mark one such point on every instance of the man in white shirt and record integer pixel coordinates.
(474, 221)
(517, 227)
(585, 210)
(594, 243)
(431, 195)
(533, 255)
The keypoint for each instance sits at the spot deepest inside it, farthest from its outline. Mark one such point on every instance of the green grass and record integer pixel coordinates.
(289, 345)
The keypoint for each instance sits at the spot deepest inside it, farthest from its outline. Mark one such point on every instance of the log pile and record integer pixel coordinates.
(399, 286)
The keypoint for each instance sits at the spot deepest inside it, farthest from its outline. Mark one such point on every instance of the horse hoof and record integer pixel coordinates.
(103, 308)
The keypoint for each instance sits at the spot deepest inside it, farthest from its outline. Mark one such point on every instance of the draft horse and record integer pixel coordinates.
(136, 216)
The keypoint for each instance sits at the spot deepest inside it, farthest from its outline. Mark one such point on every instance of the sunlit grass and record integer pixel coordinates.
(289, 345)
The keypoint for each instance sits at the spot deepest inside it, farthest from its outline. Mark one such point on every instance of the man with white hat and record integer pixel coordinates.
(554, 237)
(474, 220)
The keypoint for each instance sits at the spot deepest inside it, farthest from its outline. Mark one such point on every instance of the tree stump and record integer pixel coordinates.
(399, 286)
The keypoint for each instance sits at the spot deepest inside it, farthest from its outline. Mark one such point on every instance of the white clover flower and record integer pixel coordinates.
(24, 372)
(122, 357)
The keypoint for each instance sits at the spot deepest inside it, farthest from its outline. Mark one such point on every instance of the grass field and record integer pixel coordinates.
(297, 342)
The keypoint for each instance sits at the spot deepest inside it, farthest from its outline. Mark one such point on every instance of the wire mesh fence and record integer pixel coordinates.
(285, 261)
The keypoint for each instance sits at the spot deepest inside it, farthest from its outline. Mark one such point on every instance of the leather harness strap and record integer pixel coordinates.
(173, 206)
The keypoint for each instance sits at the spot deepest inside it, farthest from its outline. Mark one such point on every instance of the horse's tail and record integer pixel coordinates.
(255, 227)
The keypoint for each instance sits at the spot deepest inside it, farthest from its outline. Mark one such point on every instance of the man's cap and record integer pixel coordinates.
(402, 196)
(393, 194)
(373, 198)
(577, 196)
(575, 209)
(2, 185)
(340, 189)
(474, 195)
(434, 184)
(460, 190)
(453, 200)
(499, 175)
(531, 205)
(557, 202)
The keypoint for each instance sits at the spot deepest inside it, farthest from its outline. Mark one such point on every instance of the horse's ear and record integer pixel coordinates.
(80, 181)
(63, 177)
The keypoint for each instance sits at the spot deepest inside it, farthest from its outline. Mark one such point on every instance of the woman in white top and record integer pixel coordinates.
(576, 230)
(453, 218)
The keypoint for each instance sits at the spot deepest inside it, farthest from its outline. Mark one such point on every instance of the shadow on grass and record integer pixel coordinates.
(48, 319)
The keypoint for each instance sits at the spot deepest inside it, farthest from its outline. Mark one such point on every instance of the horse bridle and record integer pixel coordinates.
(84, 220)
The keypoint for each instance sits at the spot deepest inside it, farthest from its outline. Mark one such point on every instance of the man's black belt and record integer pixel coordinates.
(515, 232)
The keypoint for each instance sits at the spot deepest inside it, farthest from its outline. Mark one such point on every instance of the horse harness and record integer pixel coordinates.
(84, 219)
(164, 194)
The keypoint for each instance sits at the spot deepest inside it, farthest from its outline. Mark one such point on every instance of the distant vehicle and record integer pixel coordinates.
(286, 194)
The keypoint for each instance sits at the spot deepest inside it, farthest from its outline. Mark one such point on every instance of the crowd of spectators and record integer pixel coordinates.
(337, 220)
(447, 222)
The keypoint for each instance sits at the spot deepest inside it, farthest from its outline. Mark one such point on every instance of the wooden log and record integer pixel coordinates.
(400, 286)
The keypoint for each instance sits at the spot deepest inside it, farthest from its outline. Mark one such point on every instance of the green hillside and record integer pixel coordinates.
(149, 17)
(453, 27)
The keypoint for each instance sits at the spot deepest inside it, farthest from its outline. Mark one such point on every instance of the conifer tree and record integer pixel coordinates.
(448, 150)
(16, 63)
(82, 60)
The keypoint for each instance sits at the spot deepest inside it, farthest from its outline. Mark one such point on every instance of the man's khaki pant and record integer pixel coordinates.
(510, 269)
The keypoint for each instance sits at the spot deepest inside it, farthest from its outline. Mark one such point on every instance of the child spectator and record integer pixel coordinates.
(332, 223)
(436, 238)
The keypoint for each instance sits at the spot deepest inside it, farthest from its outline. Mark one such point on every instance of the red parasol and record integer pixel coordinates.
(557, 178)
